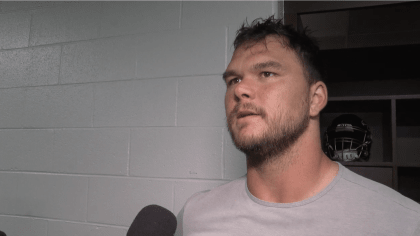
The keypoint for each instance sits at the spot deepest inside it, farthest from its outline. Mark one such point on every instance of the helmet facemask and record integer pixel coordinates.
(347, 139)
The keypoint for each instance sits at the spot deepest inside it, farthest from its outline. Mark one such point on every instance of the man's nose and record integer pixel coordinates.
(245, 89)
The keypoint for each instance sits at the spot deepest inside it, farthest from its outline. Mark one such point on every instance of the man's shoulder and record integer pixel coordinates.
(224, 190)
(380, 193)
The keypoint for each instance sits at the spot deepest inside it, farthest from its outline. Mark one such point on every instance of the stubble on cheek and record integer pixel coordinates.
(248, 134)
(232, 121)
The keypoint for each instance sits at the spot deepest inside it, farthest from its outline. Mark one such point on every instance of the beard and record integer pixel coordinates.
(275, 140)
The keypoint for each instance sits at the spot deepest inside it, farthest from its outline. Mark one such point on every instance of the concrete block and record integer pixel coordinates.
(17, 5)
(23, 226)
(46, 196)
(135, 103)
(234, 160)
(65, 23)
(30, 66)
(201, 101)
(204, 14)
(59, 106)
(117, 201)
(8, 193)
(119, 18)
(8, 6)
(12, 103)
(70, 229)
(185, 189)
(176, 152)
(91, 151)
(181, 53)
(231, 38)
(99, 60)
(15, 30)
(29, 150)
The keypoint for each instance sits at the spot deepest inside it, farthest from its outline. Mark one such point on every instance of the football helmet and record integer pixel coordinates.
(348, 138)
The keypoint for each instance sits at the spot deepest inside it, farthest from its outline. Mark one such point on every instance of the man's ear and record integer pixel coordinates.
(319, 98)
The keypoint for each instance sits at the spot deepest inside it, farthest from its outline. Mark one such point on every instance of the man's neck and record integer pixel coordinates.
(293, 177)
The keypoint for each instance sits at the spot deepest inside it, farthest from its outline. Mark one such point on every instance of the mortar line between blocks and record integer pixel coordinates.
(30, 28)
(223, 157)
(176, 102)
(109, 81)
(136, 58)
(101, 21)
(59, 64)
(93, 106)
(110, 176)
(173, 197)
(226, 44)
(87, 200)
(180, 15)
(65, 220)
(129, 152)
(48, 227)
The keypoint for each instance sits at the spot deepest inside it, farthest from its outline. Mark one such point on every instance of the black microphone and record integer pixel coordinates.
(2, 233)
(153, 220)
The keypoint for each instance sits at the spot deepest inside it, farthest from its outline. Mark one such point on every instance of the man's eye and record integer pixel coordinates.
(233, 81)
(267, 74)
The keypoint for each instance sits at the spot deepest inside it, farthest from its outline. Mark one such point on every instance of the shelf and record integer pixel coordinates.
(352, 24)
(408, 113)
(371, 63)
(409, 182)
(370, 72)
(373, 88)
(408, 131)
(379, 164)
(408, 165)
(381, 106)
(369, 98)
(375, 113)
(367, 164)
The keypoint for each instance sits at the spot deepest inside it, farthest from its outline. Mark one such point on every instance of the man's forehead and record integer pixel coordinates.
(263, 54)
(253, 48)
(272, 40)
(261, 46)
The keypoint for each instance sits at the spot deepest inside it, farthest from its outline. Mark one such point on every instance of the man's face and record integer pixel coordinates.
(266, 100)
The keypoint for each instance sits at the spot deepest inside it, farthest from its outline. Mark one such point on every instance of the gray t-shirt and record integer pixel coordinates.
(350, 205)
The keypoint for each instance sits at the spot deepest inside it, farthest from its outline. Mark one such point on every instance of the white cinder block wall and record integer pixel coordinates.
(106, 107)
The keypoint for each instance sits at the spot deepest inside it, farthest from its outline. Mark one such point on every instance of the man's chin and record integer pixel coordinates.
(249, 132)
(248, 143)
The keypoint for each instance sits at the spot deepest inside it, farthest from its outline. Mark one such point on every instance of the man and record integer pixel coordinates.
(273, 100)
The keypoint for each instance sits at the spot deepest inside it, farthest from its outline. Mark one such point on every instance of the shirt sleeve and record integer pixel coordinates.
(180, 217)
(179, 223)
(417, 230)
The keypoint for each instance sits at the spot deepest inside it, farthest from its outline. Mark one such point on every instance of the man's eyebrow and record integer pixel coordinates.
(258, 66)
(268, 64)
(228, 74)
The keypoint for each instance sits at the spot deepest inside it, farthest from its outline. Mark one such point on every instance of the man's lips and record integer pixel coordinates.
(243, 114)
(245, 110)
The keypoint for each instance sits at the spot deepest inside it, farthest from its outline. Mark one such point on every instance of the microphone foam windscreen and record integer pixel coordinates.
(153, 220)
